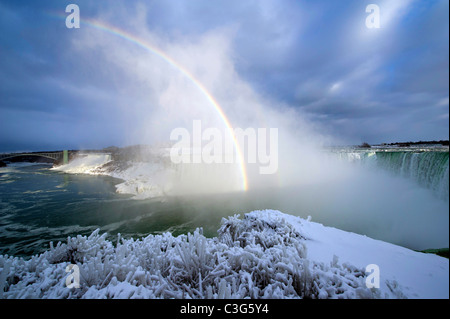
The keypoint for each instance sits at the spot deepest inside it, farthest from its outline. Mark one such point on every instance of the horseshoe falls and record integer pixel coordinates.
(429, 168)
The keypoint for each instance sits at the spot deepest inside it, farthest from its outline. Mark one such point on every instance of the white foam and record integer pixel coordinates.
(85, 164)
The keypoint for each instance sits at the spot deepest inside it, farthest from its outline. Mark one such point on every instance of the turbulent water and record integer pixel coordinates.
(39, 205)
(394, 195)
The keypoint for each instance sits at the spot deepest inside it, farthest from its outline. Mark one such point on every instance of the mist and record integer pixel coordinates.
(152, 98)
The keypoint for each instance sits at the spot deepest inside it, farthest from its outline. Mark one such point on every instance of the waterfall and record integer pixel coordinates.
(85, 163)
(429, 169)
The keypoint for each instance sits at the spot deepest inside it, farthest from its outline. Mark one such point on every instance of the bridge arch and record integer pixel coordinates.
(26, 155)
(61, 156)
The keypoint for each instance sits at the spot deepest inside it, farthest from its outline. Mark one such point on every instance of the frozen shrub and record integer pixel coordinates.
(259, 256)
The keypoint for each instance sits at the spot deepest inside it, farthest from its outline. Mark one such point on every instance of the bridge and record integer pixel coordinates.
(58, 156)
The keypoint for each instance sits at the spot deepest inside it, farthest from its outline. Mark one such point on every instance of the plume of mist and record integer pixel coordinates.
(154, 97)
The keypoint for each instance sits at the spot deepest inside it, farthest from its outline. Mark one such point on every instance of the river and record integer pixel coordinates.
(39, 205)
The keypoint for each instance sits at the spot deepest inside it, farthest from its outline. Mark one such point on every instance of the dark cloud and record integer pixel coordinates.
(357, 84)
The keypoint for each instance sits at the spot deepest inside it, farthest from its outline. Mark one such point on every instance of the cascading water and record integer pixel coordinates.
(429, 168)
(85, 163)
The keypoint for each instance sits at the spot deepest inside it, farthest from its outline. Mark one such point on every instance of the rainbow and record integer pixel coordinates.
(141, 43)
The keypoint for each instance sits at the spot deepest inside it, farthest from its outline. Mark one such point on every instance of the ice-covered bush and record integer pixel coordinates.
(259, 256)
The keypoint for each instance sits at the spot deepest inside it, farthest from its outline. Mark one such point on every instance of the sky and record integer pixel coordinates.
(261, 60)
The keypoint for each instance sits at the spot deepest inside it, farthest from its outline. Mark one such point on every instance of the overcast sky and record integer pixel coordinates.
(66, 88)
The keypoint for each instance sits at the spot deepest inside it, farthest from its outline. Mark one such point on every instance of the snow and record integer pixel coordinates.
(156, 176)
(141, 179)
(423, 275)
(265, 254)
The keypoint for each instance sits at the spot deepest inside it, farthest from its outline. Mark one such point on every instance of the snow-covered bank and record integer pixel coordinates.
(267, 254)
(140, 179)
(155, 175)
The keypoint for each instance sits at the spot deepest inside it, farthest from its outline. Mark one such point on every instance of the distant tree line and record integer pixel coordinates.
(406, 144)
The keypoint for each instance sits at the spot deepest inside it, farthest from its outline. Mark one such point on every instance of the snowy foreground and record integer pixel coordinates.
(265, 254)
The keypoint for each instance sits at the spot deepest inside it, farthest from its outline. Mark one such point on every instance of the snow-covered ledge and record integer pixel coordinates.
(266, 254)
